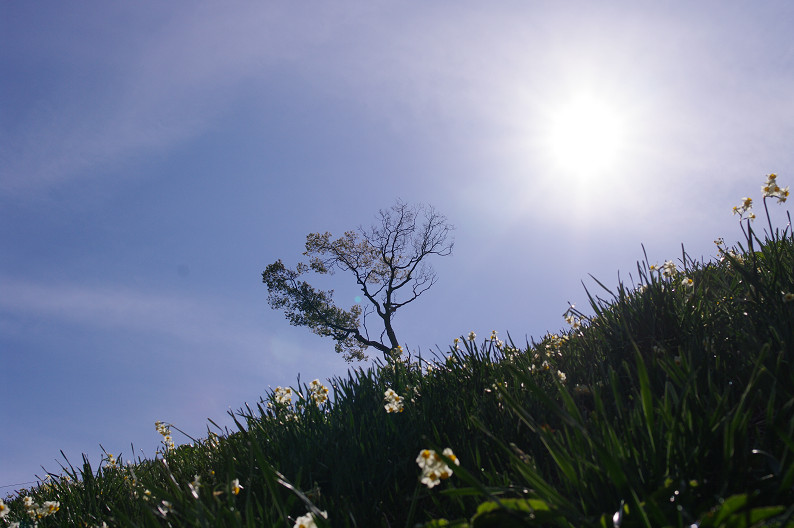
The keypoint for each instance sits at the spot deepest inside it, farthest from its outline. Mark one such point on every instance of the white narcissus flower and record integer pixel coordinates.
(47, 509)
(319, 392)
(283, 395)
(669, 269)
(747, 204)
(430, 479)
(424, 456)
(434, 468)
(771, 189)
(394, 402)
(450, 455)
(393, 407)
(236, 487)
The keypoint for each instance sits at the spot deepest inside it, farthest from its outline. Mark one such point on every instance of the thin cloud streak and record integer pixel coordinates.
(158, 91)
(210, 329)
(101, 308)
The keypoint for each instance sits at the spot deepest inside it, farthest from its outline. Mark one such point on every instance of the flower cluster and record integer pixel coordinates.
(745, 208)
(554, 344)
(498, 342)
(110, 461)
(472, 336)
(668, 269)
(36, 511)
(283, 395)
(319, 392)
(771, 190)
(729, 254)
(434, 468)
(574, 321)
(165, 431)
(572, 317)
(511, 353)
(545, 366)
(308, 520)
(394, 402)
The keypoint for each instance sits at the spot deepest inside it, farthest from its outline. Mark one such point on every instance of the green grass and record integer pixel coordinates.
(676, 408)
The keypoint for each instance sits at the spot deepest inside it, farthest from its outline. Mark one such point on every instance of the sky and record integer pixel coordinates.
(155, 157)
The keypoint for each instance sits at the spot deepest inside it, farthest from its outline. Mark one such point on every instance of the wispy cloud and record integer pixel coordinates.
(188, 320)
(204, 327)
(157, 84)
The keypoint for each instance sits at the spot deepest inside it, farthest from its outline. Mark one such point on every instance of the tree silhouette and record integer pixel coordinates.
(389, 264)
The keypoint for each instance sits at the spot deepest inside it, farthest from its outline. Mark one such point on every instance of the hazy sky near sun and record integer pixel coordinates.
(155, 157)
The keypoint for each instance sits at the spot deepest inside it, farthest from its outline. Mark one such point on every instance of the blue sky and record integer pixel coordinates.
(155, 157)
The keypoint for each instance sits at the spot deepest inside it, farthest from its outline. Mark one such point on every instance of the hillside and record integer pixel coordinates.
(672, 404)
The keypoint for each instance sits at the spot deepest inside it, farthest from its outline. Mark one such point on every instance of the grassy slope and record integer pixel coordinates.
(676, 397)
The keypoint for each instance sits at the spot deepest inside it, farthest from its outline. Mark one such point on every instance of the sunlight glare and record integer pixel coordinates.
(585, 136)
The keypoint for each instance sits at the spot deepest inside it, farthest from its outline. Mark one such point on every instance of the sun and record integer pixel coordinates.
(585, 136)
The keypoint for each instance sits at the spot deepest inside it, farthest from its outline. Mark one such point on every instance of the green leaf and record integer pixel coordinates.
(730, 506)
(527, 505)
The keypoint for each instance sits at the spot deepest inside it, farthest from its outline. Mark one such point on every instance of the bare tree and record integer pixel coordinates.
(389, 264)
